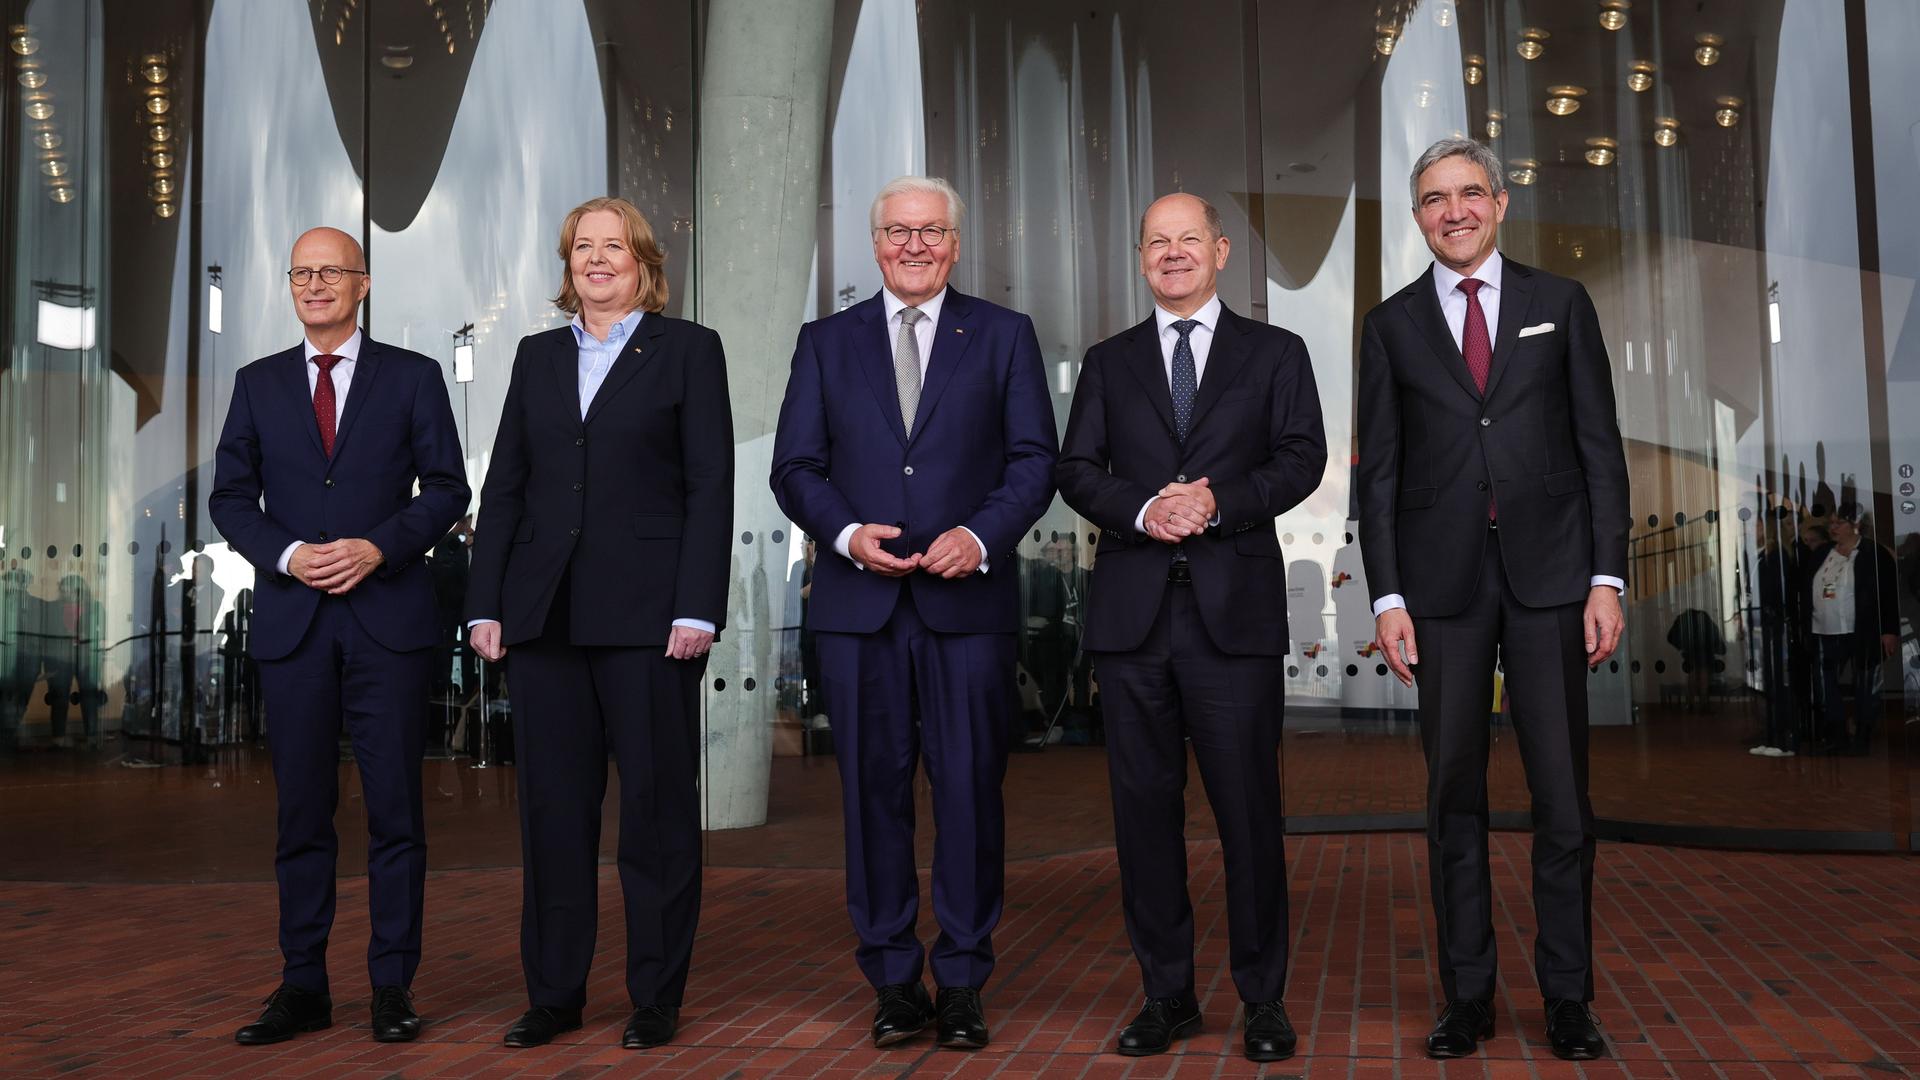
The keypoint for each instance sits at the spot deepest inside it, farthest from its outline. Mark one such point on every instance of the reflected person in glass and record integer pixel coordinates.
(1493, 525)
(1189, 434)
(917, 436)
(601, 562)
(336, 434)
(1854, 606)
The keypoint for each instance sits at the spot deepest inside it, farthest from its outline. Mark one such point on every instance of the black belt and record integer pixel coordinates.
(1180, 573)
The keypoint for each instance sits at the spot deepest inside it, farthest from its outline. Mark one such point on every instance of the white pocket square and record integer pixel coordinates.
(1543, 328)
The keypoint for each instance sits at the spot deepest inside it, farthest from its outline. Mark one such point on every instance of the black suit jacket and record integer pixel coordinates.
(1543, 441)
(637, 498)
(1256, 436)
(397, 430)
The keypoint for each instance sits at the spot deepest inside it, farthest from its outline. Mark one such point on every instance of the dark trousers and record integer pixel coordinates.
(896, 697)
(1543, 653)
(1838, 655)
(571, 705)
(1179, 686)
(340, 677)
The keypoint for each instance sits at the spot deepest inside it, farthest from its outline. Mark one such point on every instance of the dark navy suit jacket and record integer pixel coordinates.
(397, 429)
(981, 456)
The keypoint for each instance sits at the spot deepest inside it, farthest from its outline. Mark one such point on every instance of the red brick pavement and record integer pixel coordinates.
(1710, 964)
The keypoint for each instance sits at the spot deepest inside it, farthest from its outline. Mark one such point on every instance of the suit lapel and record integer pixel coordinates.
(633, 356)
(1516, 296)
(291, 367)
(875, 352)
(1225, 358)
(1150, 369)
(1423, 306)
(358, 391)
(565, 356)
(951, 336)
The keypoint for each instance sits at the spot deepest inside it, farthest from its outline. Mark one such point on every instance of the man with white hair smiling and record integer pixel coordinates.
(917, 438)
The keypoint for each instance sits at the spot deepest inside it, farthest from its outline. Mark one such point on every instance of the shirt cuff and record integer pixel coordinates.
(285, 565)
(1140, 519)
(983, 550)
(701, 625)
(844, 544)
(1388, 603)
(1602, 579)
(471, 623)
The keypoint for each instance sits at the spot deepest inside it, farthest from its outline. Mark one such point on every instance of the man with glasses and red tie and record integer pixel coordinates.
(315, 483)
(1493, 523)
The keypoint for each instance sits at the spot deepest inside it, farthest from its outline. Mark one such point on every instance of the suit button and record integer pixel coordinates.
(579, 442)
(578, 486)
(908, 470)
(575, 531)
(1484, 422)
(323, 536)
(1482, 485)
(1181, 479)
(329, 481)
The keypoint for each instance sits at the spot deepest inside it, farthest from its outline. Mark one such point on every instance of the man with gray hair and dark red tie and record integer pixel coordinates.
(1493, 523)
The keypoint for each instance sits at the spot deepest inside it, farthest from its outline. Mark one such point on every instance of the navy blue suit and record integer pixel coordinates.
(919, 666)
(359, 661)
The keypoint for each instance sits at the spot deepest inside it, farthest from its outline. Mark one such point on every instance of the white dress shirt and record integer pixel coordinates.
(923, 338)
(1453, 306)
(342, 376)
(1200, 339)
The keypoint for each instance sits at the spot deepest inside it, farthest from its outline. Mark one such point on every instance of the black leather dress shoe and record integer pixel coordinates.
(962, 1019)
(1270, 1035)
(538, 1025)
(393, 1017)
(1571, 1030)
(902, 1011)
(1161, 1021)
(650, 1026)
(1463, 1025)
(290, 1011)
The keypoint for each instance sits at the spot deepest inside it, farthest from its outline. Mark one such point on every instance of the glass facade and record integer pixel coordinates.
(1729, 181)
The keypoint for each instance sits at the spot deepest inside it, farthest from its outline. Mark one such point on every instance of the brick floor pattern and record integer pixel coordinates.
(1711, 964)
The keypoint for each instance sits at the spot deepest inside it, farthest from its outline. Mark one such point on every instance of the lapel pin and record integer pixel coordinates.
(958, 330)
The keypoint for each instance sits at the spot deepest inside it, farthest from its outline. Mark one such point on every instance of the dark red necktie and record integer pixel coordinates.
(323, 397)
(1476, 347)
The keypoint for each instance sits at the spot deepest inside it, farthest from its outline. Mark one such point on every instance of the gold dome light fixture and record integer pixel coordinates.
(31, 76)
(157, 100)
(1476, 70)
(1523, 171)
(1666, 131)
(1706, 51)
(22, 41)
(153, 68)
(1532, 43)
(1613, 14)
(39, 106)
(1601, 150)
(1494, 116)
(1640, 76)
(1564, 100)
(1728, 112)
(45, 137)
(1386, 36)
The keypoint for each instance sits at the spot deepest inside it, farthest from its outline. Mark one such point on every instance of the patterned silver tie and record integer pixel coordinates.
(906, 366)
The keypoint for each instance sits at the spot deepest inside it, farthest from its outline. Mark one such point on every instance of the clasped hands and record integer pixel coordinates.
(336, 567)
(1180, 511)
(954, 555)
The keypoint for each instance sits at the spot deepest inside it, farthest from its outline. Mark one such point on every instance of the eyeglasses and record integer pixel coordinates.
(931, 235)
(300, 275)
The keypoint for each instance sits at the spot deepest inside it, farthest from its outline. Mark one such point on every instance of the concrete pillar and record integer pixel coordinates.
(762, 110)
